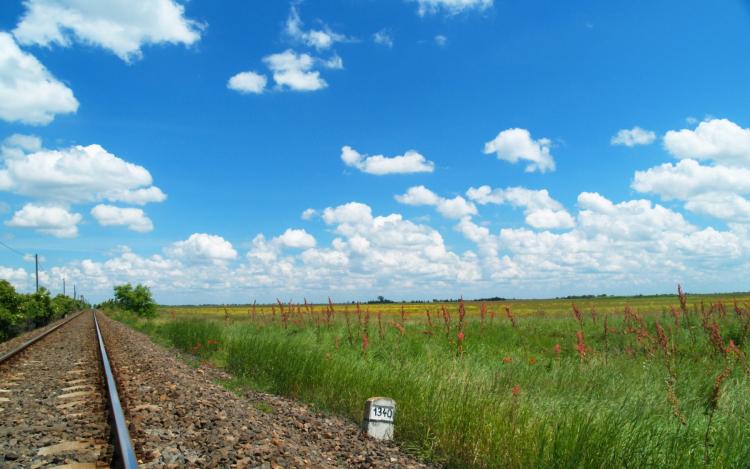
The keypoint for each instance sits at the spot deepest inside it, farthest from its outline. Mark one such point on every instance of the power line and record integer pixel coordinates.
(24, 255)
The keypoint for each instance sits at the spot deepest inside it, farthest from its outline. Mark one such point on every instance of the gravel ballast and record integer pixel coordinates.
(52, 401)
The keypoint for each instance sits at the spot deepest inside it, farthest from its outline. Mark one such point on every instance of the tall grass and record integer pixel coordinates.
(455, 402)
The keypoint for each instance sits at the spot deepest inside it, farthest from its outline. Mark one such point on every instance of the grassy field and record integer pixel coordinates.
(633, 382)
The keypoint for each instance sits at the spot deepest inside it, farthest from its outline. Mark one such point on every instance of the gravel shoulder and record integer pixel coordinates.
(178, 417)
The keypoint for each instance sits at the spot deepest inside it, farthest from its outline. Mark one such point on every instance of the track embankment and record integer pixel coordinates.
(179, 418)
(52, 404)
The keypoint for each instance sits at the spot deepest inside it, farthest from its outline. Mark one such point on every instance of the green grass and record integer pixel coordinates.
(609, 411)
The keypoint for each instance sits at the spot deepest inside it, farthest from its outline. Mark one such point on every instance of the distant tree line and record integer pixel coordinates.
(136, 300)
(27, 311)
(583, 297)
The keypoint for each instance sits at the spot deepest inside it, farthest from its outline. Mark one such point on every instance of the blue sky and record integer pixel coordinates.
(414, 149)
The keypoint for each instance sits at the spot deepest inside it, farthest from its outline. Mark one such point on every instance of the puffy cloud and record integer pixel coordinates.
(52, 220)
(133, 218)
(451, 6)
(636, 136)
(633, 242)
(457, 207)
(202, 248)
(688, 179)
(441, 40)
(320, 40)
(76, 175)
(371, 254)
(633, 220)
(295, 239)
(309, 214)
(418, 195)
(293, 71)
(16, 277)
(714, 190)
(28, 92)
(353, 212)
(384, 37)
(513, 145)
(394, 248)
(719, 140)
(19, 142)
(248, 82)
(410, 162)
(727, 207)
(120, 26)
(541, 210)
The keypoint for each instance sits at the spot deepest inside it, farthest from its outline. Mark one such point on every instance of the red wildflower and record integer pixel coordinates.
(516, 389)
(461, 336)
(557, 349)
(204, 363)
(195, 348)
(532, 360)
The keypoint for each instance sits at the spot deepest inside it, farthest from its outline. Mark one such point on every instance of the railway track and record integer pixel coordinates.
(58, 402)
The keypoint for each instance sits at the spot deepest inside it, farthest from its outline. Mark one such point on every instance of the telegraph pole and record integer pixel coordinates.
(63, 286)
(36, 260)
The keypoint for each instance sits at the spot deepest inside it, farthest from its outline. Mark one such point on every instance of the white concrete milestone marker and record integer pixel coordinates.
(378, 419)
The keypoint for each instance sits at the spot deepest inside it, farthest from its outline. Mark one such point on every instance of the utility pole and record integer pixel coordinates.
(74, 292)
(63, 286)
(36, 260)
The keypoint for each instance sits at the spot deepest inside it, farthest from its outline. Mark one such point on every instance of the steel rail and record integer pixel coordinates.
(23, 346)
(124, 456)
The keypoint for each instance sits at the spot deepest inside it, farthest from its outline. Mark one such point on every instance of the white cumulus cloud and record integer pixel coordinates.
(133, 218)
(76, 175)
(309, 214)
(688, 178)
(719, 140)
(633, 220)
(513, 145)
(410, 162)
(451, 6)
(299, 239)
(120, 26)
(52, 220)
(248, 82)
(202, 248)
(456, 207)
(294, 71)
(28, 92)
(635, 136)
(441, 40)
(541, 210)
(715, 189)
(418, 195)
